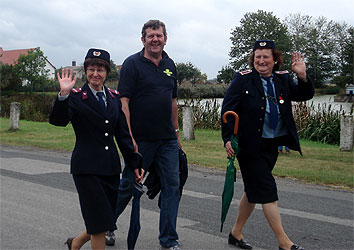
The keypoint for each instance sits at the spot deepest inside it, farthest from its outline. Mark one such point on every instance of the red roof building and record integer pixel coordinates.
(11, 56)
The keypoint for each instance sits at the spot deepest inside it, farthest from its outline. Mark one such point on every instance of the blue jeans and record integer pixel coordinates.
(164, 155)
(280, 148)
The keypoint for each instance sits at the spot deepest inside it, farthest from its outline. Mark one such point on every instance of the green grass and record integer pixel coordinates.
(320, 163)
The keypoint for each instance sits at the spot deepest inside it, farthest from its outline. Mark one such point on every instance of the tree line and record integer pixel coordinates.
(327, 45)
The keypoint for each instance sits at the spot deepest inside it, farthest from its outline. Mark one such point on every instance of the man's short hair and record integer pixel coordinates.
(155, 25)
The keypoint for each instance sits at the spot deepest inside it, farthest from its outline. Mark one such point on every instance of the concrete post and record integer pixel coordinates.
(188, 123)
(15, 109)
(346, 133)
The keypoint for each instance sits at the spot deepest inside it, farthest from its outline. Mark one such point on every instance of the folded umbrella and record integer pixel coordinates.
(230, 176)
(134, 227)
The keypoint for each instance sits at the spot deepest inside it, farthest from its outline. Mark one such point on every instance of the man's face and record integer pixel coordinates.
(154, 41)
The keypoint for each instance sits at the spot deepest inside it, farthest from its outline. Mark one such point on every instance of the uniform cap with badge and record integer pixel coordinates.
(98, 54)
(264, 44)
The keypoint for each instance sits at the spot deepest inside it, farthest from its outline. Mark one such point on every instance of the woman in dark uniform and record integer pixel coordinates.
(262, 99)
(96, 116)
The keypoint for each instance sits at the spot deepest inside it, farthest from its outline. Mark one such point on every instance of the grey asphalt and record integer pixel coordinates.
(40, 209)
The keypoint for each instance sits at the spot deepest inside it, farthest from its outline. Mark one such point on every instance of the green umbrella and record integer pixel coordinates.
(230, 176)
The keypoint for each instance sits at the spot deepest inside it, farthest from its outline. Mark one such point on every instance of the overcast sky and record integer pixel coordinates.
(198, 30)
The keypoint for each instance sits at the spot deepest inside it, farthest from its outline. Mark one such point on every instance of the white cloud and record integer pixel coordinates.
(198, 30)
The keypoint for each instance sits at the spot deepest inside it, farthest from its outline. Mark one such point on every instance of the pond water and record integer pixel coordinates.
(322, 101)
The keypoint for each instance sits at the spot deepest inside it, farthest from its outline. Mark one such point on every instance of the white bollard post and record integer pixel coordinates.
(15, 110)
(188, 123)
(346, 133)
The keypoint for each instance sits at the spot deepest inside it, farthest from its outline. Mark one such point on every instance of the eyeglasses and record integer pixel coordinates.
(99, 71)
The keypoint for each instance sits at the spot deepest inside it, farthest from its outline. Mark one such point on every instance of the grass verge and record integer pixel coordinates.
(320, 163)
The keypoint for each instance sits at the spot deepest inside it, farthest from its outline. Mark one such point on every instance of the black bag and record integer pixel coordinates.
(152, 181)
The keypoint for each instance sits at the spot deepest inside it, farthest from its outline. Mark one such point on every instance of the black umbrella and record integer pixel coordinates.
(134, 227)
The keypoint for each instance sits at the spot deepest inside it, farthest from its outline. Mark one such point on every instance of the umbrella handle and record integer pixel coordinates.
(236, 119)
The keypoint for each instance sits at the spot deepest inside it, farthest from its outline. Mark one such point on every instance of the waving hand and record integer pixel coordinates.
(298, 65)
(66, 81)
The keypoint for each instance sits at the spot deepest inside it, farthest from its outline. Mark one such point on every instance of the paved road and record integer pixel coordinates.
(40, 209)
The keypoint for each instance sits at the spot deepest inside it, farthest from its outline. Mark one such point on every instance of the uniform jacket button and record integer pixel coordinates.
(262, 108)
(105, 134)
(106, 121)
(106, 147)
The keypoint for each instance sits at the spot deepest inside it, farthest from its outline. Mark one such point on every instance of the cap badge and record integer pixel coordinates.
(262, 44)
(96, 53)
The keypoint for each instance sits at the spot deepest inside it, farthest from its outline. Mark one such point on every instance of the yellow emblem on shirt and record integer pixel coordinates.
(167, 72)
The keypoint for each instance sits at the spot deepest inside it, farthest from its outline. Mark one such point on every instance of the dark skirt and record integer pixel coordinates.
(98, 198)
(259, 183)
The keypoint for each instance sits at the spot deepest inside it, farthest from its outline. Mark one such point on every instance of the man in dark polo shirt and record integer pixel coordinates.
(148, 91)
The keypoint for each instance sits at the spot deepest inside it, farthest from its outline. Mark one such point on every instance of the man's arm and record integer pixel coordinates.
(175, 119)
(125, 108)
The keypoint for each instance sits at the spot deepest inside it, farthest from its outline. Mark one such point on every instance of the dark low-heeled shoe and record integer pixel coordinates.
(69, 243)
(294, 247)
(239, 243)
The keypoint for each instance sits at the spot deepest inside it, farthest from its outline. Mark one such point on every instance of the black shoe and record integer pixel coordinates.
(110, 238)
(239, 243)
(69, 243)
(294, 247)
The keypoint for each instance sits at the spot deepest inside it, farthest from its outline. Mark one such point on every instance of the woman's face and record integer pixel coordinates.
(264, 62)
(96, 75)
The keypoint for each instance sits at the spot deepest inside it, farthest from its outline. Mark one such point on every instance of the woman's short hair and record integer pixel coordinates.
(277, 55)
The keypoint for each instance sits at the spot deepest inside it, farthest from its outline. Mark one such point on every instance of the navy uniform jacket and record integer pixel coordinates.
(246, 97)
(95, 151)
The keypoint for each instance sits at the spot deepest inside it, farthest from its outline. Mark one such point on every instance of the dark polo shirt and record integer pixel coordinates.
(150, 90)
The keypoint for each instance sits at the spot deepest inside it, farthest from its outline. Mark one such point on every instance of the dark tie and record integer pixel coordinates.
(273, 114)
(101, 101)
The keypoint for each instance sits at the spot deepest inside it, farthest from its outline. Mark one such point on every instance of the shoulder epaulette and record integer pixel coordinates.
(77, 90)
(246, 72)
(282, 72)
(113, 92)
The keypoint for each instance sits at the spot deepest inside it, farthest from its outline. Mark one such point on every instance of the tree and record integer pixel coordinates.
(322, 41)
(188, 72)
(348, 54)
(31, 69)
(9, 80)
(346, 75)
(114, 74)
(257, 26)
(185, 71)
(226, 74)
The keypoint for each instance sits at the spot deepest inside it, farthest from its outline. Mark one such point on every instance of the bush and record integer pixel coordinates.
(329, 90)
(206, 114)
(34, 107)
(319, 124)
(186, 91)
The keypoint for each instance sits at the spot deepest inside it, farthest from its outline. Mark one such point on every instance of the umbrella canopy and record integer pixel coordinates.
(230, 176)
(134, 227)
